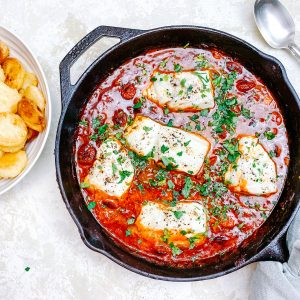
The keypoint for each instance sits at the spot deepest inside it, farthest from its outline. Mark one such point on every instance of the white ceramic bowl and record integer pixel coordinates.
(21, 51)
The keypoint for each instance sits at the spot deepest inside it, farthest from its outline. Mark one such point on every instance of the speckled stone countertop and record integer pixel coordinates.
(36, 230)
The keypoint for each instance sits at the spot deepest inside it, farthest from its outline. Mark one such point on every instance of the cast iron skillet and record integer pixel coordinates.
(268, 243)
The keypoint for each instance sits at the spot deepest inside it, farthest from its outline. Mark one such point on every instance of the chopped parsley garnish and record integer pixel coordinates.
(179, 153)
(187, 187)
(91, 205)
(147, 129)
(114, 168)
(194, 118)
(27, 269)
(186, 143)
(169, 162)
(163, 63)
(189, 89)
(246, 112)
(177, 67)
(182, 82)
(170, 123)
(128, 232)
(83, 123)
(166, 111)
(152, 182)
(123, 175)
(175, 250)
(130, 221)
(201, 61)
(192, 241)
(165, 236)
(164, 149)
(84, 185)
(272, 153)
(130, 120)
(269, 135)
(138, 104)
(102, 129)
(153, 79)
(204, 112)
(232, 147)
(178, 214)
(171, 185)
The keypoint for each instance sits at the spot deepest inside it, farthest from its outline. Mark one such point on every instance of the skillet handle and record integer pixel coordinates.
(102, 31)
(277, 250)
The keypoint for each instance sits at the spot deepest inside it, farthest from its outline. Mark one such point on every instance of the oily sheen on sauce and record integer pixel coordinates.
(243, 107)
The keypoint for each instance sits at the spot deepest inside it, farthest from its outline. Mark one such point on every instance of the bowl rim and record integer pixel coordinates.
(29, 167)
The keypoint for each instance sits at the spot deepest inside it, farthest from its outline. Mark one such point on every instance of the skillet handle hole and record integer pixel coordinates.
(90, 55)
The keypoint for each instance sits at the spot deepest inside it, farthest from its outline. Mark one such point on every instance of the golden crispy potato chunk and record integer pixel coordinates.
(35, 95)
(4, 51)
(30, 79)
(2, 76)
(32, 134)
(9, 98)
(14, 73)
(13, 132)
(12, 164)
(31, 115)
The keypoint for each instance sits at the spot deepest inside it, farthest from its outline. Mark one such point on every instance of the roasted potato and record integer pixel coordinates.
(35, 95)
(9, 98)
(1, 153)
(31, 115)
(30, 79)
(13, 132)
(12, 164)
(2, 76)
(4, 51)
(14, 73)
(31, 134)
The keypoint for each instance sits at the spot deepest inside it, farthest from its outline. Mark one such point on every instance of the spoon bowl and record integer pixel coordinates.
(276, 25)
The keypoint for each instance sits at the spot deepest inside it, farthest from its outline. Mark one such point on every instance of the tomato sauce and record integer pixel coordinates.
(231, 217)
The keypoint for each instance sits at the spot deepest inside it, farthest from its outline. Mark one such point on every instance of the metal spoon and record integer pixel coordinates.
(276, 25)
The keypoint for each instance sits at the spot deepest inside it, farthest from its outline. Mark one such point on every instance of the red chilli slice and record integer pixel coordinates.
(128, 91)
(86, 154)
(245, 86)
(120, 117)
(234, 67)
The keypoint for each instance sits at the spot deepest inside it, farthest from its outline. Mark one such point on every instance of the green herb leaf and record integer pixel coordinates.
(186, 143)
(269, 135)
(170, 123)
(128, 232)
(91, 205)
(164, 149)
(138, 104)
(123, 174)
(147, 129)
(83, 123)
(171, 185)
(130, 221)
(177, 67)
(175, 250)
(84, 185)
(166, 235)
(187, 187)
(204, 112)
(178, 214)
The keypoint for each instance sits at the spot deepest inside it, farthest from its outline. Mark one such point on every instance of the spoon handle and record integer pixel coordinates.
(294, 49)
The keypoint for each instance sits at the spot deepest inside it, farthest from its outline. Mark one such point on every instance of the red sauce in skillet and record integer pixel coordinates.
(232, 217)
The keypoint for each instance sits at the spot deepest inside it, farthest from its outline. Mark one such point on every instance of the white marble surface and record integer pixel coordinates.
(35, 228)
